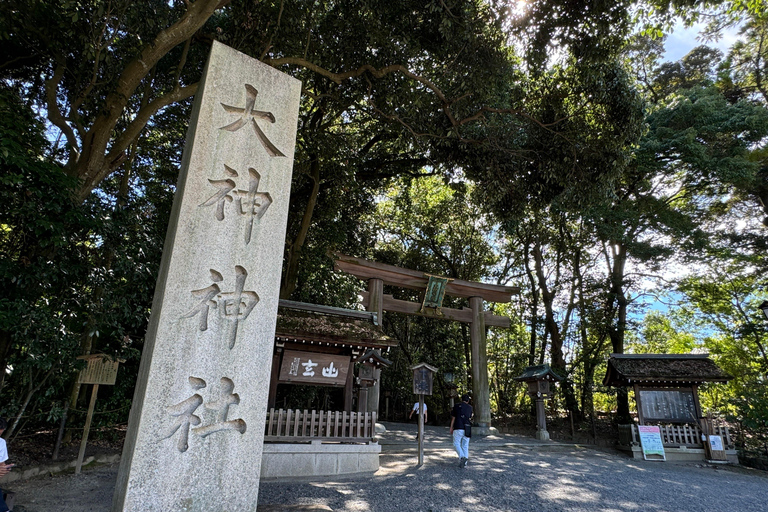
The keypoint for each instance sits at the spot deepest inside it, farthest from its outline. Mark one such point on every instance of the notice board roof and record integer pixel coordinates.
(325, 325)
(630, 369)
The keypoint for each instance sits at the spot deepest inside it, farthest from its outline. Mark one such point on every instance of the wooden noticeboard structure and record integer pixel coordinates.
(422, 385)
(666, 394)
(322, 346)
(434, 289)
(100, 369)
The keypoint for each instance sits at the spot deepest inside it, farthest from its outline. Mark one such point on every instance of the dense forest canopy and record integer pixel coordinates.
(544, 144)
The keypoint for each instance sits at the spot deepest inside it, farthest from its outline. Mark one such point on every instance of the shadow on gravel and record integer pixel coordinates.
(500, 479)
(497, 479)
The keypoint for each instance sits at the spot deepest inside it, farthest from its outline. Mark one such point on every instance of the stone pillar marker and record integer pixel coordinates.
(196, 426)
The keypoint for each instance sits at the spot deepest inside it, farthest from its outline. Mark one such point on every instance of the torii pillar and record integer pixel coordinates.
(481, 395)
(379, 274)
(375, 305)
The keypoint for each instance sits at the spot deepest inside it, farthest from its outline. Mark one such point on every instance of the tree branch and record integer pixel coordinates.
(55, 116)
(114, 158)
(96, 168)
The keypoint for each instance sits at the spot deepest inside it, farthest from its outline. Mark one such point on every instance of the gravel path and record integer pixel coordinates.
(501, 476)
(500, 479)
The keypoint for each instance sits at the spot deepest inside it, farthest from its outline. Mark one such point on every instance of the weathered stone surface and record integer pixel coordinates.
(318, 459)
(196, 428)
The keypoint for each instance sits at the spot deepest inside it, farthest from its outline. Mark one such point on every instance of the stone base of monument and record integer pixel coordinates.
(317, 459)
(542, 435)
(679, 454)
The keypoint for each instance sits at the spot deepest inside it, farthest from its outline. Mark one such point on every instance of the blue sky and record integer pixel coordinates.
(682, 40)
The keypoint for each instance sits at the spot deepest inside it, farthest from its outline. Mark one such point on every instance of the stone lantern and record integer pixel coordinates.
(539, 379)
(453, 392)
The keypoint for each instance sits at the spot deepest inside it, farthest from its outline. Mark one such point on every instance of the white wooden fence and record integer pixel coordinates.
(297, 426)
(675, 435)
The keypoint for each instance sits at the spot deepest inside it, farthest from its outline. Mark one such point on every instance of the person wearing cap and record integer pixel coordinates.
(461, 416)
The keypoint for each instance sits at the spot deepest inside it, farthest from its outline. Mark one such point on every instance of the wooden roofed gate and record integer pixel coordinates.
(319, 345)
(433, 289)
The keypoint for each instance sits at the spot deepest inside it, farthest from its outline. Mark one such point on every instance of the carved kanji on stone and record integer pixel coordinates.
(250, 203)
(248, 113)
(221, 406)
(233, 306)
(206, 295)
(184, 412)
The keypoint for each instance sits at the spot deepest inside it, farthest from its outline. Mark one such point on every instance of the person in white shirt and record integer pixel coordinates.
(416, 410)
(4, 468)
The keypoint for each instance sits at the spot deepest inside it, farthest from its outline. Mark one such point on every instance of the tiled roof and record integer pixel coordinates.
(628, 369)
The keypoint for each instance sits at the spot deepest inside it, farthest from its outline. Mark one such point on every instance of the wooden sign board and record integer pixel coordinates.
(650, 441)
(101, 369)
(314, 368)
(716, 448)
(422, 381)
(668, 405)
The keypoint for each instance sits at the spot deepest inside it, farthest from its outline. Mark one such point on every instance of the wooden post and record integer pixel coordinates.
(376, 298)
(421, 430)
(639, 404)
(362, 398)
(481, 397)
(274, 380)
(86, 429)
(541, 418)
(375, 305)
(348, 390)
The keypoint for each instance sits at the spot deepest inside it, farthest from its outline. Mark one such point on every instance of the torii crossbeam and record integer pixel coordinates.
(379, 274)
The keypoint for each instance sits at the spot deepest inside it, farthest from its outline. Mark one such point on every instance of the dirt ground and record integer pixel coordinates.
(90, 491)
(36, 450)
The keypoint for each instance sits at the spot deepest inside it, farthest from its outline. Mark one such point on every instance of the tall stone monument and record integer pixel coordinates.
(196, 427)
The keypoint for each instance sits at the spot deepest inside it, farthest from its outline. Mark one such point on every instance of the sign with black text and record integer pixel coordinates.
(314, 368)
(673, 405)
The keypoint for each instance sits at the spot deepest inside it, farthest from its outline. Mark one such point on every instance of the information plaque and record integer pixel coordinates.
(650, 441)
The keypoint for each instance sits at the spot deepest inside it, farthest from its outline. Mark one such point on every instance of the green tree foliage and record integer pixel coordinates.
(435, 227)
(658, 334)
(724, 303)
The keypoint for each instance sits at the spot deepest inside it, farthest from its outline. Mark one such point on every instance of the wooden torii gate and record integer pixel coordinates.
(379, 274)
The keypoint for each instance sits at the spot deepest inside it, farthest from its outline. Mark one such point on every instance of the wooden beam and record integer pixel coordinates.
(459, 315)
(415, 280)
(328, 310)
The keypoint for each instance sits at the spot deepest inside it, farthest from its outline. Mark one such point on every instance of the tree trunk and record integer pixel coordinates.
(555, 336)
(618, 299)
(294, 253)
(534, 306)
